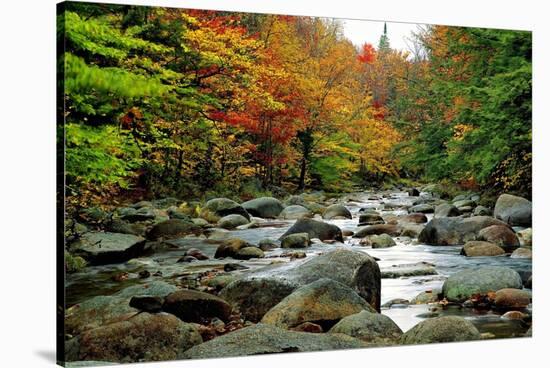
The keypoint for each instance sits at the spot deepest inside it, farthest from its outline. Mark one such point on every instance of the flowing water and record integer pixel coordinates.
(98, 280)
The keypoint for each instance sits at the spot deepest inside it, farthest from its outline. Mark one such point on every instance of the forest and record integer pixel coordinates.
(163, 102)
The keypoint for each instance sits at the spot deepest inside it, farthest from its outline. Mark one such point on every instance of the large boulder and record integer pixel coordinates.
(422, 208)
(102, 248)
(232, 221)
(441, 329)
(253, 297)
(265, 207)
(172, 228)
(500, 235)
(446, 210)
(476, 248)
(323, 302)
(336, 211)
(269, 339)
(217, 208)
(102, 310)
(249, 252)
(455, 230)
(381, 241)
(512, 299)
(298, 240)
(196, 306)
(464, 284)
(315, 229)
(294, 212)
(525, 237)
(513, 210)
(393, 230)
(369, 327)
(260, 290)
(522, 253)
(414, 218)
(144, 337)
(370, 218)
(230, 247)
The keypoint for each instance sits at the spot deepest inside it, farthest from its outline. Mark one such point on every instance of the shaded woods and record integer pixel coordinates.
(198, 104)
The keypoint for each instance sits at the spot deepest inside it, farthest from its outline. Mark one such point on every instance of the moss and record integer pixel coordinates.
(74, 263)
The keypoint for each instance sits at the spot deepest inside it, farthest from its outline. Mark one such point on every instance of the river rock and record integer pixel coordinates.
(408, 270)
(370, 327)
(298, 240)
(414, 218)
(295, 212)
(513, 210)
(481, 211)
(134, 215)
(462, 285)
(102, 310)
(522, 253)
(253, 297)
(259, 291)
(264, 207)
(441, 329)
(381, 241)
(102, 248)
(476, 248)
(525, 237)
(123, 227)
(512, 299)
(315, 229)
(217, 208)
(230, 247)
(426, 297)
(411, 230)
(446, 210)
(422, 208)
(232, 221)
(196, 306)
(324, 302)
(500, 235)
(269, 339)
(336, 211)
(455, 230)
(393, 230)
(370, 218)
(172, 228)
(145, 337)
(249, 253)
(147, 303)
(464, 203)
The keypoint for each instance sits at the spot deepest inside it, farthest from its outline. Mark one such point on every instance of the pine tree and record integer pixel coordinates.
(384, 43)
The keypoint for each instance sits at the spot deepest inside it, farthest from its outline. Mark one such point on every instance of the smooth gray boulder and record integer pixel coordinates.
(315, 229)
(369, 327)
(294, 212)
(441, 329)
(462, 285)
(513, 210)
(298, 240)
(335, 211)
(217, 208)
(446, 210)
(455, 230)
(269, 339)
(260, 290)
(264, 207)
(172, 228)
(232, 221)
(102, 248)
(322, 302)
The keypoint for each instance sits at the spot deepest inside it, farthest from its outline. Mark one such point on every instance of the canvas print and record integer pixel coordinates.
(233, 184)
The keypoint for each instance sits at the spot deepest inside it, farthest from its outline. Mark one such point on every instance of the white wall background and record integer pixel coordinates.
(27, 193)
